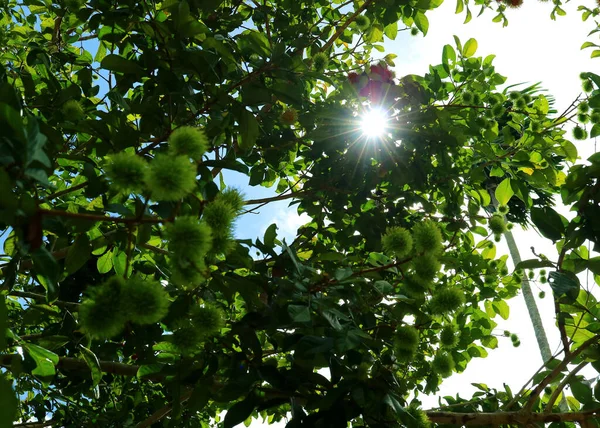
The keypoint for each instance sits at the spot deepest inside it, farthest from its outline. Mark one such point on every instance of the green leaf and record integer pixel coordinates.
(448, 55)
(534, 264)
(45, 360)
(421, 22)
(470, 48)
(46, 266)
(391, 30)
(595, 131)
(8, 398)
(581, 391)
(501, 308)
(117, 63)
(548, 222)
(299, 313)
(149, 370)
(79, 253)
(239, 412)
(504, 192)
(343, 273)
(3, 322)
(564, 284)
(270, 236)
(375, 34)
(105, 263)
(248, 130)
(92, 361)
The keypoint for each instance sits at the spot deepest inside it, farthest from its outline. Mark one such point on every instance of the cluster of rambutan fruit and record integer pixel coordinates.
(585, 115)
(497, 222)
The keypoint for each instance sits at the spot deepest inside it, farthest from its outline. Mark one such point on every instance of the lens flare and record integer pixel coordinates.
(374, 123)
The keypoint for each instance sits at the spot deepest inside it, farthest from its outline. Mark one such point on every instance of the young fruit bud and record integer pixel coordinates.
(542, 294)
(514, 337)
(583, 107)
(219, 216)
(467, 97)
(232, 197)
(520, 103)
(427, 237)
(506, 333)
(446, 300)
(587, 86)
(503, 209)
(397, 241)
(517, 343)
(144, 301)
(289, 116)
(583, 118)
(72, 110)
(320, 61)
(531, 274)
(449, 337)
(407, 338)
(414, 31)
(127, 172)
(208, 319)
(188, 238)
(362, 22)
(497, 224)
(189, 141)
(426, 266)
(171, 178)
(543, 280)
(579, 133)
(443, 364)
(100, 313)
(513, 96)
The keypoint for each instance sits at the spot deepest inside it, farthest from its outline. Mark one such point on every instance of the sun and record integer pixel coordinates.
(374, 123)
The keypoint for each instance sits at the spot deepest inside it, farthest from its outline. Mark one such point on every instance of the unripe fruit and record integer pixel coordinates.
(506, 333)
(171, 178)
(579, 133)
(497, 225)
(208, 319)
(426, 266)
(582, 118)
(219, 216)
(542, 294)
(517, 343)
(595, 117)
(583, 107)
(536, 127)
(232, 197)
(530, 274)
(100, 313)
(498, 110)
(503, 209)
(187, 340)
(527, 98)
(407, 338)
(188, 238)
(446, 300)
(289, 116)
(543, 272)
(222, 243)
(449, 337)
(144, 301)
(72, 110)
(405, 355)
(520, 103)
(427, 237)
(467, 97)
(489, 279)
(320, 61)
(543, 280)
(414, 285)
(414, 31)
(397, 241)
(443, 364)
(514, 96)
(186, 273)
(127, 172)
(514, 337)
(362, 22)
(587, 86)
(504, 271)
(189, 141)
(415, 418)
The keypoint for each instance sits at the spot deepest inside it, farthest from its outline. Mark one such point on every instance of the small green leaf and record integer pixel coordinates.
(45, 360)
(534, 264)
(470, 48)
(105, 263)
(582, 392)
(78, 254)
(239, 412)
(548, 222)
(501, 308)
(149, 370)
(270, 236)
(343, 273)
(46, 267)
(92, 361)
(421, 22)
(299, 313)
(119, 64)
(391, 30)
(504, 192)
(248, 130)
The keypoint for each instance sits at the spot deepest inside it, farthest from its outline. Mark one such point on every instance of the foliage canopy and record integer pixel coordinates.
(127, 301)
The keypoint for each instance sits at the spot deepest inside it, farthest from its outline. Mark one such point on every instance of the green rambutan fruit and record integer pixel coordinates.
(583, 107)
(189, 238)
(516, 343)
(582, 118)
(531, 274)
(320, 61)
(171, 178)
(595, 116)
(222, 243)
(467, 97)
(126, 172)
(503, 209)
(289, 116)
(579, 133)
(527, 98)
(489, 279)
(415, 418)
(144, 300)
(415, 286)
(72, 110)
(208, 319)
(189, 141)
(509, 226)
(504, 271)
(426, 266)
(188, 340)
(219, 216)
(186, 273)
(520, 104)
(232, 197)
(100, 313)
(407, 337)
(542, 294)
(497, 237)
(543, 280)
(397, 241)
(587, 86)
(443, 364)
(513, 96)
(449, 337)
(414, 31)
(476, 99)
(493, 99)
(446, 300)
(497, 224)
(427, 237)
(405, 355)
(498, 110)
(362, 22)
(514, 337)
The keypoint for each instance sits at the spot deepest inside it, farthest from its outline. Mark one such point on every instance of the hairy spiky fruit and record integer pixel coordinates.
(397, 241)
(446, 300)
(467, 97)
(127, 172)
(582, 118)
(498, 110)
(171, 178)
(222, 243)
(503, 209)
(449, 337)
(405, 355)
(443, 364)
(208, 319)
(587, 86)
(415, 418)
(514, 337)
(188, 238)
(219, 216)
(362, 22)
(289, 116)
(426, 266)
(320, 61)
(407, 338)
(189, 141)
(72, 110)
(232, 197)
(414, 31)
(187, 340)
(415, 286)
(579, 133)
(520, 103)
(583, 107)
(427, 237)
(100, 313)
(497, 225)
(144, 301)
(186, 273)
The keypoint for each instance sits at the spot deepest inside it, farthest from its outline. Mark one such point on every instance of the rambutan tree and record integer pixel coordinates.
(126, 299)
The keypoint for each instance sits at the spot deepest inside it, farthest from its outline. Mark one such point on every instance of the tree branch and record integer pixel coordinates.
(561, 386)
(99, 217)
(509, 418)
(345, 25)
(162, 412)
(26, 295)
